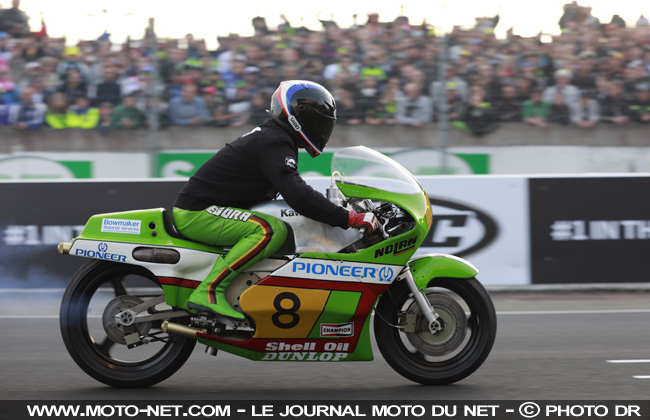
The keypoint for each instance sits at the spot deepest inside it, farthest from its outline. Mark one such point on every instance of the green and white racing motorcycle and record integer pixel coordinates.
(124, 316)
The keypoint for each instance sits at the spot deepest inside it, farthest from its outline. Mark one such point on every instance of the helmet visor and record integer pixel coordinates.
(319, 130)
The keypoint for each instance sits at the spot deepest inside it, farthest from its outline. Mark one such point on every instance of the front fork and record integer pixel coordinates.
(421, 300)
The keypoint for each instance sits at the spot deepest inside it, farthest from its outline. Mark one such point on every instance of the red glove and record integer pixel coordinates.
(363, 220)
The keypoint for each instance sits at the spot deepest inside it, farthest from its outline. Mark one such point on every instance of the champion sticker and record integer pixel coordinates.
(337, 330)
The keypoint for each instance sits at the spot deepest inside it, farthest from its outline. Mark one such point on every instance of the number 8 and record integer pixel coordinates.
(277, 304)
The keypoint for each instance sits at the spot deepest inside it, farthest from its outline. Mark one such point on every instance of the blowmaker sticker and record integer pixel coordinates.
(121, 226)
(337, 330)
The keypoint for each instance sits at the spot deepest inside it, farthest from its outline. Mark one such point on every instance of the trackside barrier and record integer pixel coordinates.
(517, 230)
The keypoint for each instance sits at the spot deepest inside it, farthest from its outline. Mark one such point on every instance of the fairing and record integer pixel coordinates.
(315, 307)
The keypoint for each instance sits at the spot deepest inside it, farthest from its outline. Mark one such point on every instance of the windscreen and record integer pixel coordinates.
(363, 166)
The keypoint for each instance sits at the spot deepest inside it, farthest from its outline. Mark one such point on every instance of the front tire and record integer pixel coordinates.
(95, 294)
(469, 329)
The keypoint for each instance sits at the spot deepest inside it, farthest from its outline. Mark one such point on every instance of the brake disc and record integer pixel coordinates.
(452, 319)
(119, 308)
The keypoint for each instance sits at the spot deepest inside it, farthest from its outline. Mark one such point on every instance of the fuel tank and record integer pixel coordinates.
(309, 235)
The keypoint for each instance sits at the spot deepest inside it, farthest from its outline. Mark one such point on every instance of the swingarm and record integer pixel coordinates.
(132, 315)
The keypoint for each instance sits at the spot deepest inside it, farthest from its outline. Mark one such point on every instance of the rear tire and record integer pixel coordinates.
(469, 330)
(98, 289)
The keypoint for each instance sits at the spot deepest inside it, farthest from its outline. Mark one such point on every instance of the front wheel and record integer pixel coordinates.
(96, 295)
(468, 322)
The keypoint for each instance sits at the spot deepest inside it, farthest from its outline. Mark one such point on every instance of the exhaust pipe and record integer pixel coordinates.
(182, 330)
(64, 247)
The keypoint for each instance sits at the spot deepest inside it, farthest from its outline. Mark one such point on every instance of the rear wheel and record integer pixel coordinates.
(98, 292)
(468, 322)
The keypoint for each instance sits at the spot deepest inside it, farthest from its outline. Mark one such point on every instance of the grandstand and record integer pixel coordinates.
(397, 84)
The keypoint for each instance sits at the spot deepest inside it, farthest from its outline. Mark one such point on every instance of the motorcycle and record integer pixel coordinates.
(125, 321)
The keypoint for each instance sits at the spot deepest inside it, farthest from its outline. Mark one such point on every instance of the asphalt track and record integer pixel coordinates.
(550, 345)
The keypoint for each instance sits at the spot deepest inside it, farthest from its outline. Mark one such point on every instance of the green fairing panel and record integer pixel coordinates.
(380, 253)
(341, 307)
(428, 267)
(151, 230)
(401, 247)
(176, 296)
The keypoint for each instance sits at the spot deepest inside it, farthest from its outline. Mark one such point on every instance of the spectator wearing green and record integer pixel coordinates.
(57, 111)
(535, 111)
(127, 115)
(82, 115)
(372, 68)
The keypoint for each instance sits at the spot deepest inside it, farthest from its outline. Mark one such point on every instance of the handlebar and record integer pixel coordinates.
(380, 228)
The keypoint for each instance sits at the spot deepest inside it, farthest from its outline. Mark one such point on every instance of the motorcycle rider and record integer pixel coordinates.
(213, 206)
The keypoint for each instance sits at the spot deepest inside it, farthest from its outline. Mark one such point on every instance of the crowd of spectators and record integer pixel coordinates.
(379, 72)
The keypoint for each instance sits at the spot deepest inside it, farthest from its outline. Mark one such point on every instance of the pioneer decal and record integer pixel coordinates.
(386, 274)
(338, 271)
(101, 253)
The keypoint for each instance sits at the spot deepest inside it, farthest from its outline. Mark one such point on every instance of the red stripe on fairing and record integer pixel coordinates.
(173, 281)
(306, 283)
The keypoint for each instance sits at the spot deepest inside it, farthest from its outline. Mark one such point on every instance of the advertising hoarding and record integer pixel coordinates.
(589, 229)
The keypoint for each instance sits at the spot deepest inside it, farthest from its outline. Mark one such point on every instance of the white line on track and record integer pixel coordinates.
(38, 316)
(632, 361)
(60, 291)
(32, 291)
(577, 312)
